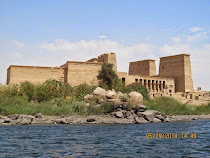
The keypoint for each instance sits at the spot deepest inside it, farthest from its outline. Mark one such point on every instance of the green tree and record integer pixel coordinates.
(107, 75)
(27, 89)
(49, 90)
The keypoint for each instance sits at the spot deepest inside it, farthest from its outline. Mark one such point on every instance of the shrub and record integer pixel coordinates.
(107, 108)
(50, 89)
(82, 90)
(104, 108)
(68, 90)
(9, 90)
(118, 85)
(79, 108)
(169, 106)
(27, 89)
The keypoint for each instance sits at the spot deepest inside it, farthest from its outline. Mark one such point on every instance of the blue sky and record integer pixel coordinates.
(48, 33)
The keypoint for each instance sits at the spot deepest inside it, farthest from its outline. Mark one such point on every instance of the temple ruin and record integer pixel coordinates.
(174, 78)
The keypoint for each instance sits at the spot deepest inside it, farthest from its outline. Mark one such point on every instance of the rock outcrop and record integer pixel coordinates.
(125, 106)
(119, 100)
(136, 97)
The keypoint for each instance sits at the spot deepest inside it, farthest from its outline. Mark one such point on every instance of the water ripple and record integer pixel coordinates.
(104, 140)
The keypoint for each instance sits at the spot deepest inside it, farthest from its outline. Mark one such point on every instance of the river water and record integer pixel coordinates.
(115, 140)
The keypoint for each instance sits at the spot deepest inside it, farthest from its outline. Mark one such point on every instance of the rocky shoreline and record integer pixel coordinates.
(22, 119)
(127, 109)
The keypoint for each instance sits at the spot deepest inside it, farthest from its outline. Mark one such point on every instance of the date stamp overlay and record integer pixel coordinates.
(171, 136)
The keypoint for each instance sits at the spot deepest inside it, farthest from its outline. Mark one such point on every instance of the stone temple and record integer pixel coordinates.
(174, 78)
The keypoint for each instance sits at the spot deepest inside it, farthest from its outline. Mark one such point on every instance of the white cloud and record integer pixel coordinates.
(84, 50)
(176, 39)
(102, 37)
(18, 43)
(174, 49)
(195, 29)
(197, 36)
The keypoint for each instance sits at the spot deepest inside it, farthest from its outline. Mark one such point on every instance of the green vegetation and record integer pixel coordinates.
(171, 106)
(107, 76)
(56, 98)
(50, 98)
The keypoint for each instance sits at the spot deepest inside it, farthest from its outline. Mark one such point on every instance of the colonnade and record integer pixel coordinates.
(152, 85)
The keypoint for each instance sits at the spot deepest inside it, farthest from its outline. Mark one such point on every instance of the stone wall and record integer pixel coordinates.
(81, 72)
(108, 58)
(177, 67)
(188, 75)
(143, 68)
(33, 74)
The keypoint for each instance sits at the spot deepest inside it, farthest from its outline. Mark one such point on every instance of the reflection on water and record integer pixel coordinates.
(105, 140)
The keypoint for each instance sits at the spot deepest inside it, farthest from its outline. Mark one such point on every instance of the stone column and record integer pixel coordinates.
(145, 84)
(157, 87)
(161, 86)
(154, 86)
(150, 86)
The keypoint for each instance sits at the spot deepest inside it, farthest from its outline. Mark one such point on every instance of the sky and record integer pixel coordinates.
(49, 33)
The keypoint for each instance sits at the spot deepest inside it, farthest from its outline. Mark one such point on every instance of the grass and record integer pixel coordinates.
(55, 107)
(171, 106)
(20, 105)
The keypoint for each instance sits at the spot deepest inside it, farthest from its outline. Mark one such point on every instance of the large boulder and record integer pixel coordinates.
(29, 117)
(160, 117)
(119, 114)
(100, 91)
(167, 119)
(70, 119)
(48, 118)
(111, 94)
(156, 120)
(125, 106)
(24, 121)
(140, 108)
(1, 121)
(7, 120)
(136, 97)
(61, 121)
(13, 117)
(21, 116)
(39, 115)
(140, 120)
(92, 119)
(148, 114)
(127, 114)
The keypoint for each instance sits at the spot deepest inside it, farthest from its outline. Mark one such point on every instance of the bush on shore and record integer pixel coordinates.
(50, 98)
(169, 106)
